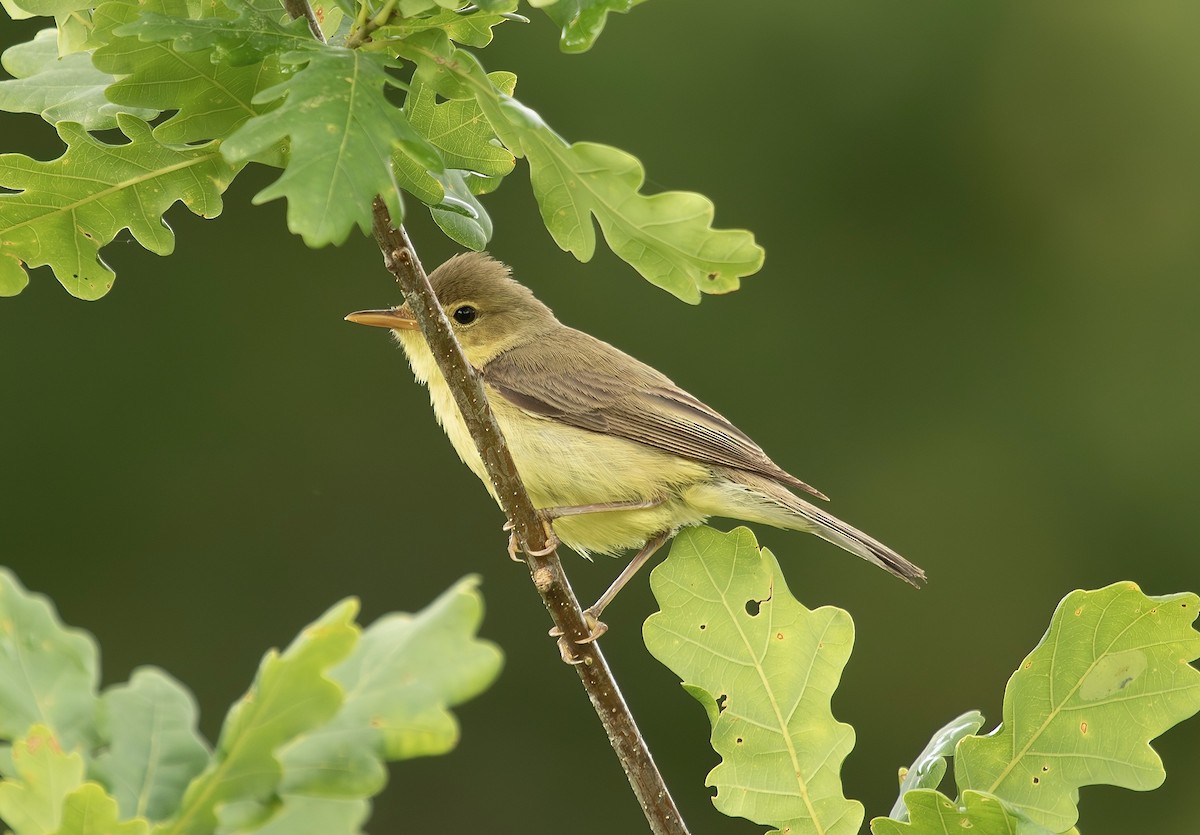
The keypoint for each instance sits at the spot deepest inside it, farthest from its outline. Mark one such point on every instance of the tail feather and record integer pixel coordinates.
(763, 500)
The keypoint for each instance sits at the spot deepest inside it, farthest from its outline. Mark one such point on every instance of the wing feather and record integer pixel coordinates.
(591, 385)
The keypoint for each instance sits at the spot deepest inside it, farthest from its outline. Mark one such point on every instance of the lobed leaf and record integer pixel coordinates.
(1112, 673)
(65, 210)
(928, 769)
(304, 815)
(66, 89)
(48, 672)
(89, 811)
(43, 8)
(474, 29)
(241, 41)
(765, 669)
(343, 134)
(211, 99)
(667, 237)
(582, 21)
(459, 130)
(291, 694)
(32, 796)
(400, 683)
(935, 814)
(153, 750)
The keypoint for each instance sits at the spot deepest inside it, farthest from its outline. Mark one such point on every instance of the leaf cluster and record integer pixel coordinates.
(301, 752)
(388, 102)
(1112, 673)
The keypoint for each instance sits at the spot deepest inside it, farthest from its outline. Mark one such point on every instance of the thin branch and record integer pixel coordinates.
(301, 8)
(546, 571)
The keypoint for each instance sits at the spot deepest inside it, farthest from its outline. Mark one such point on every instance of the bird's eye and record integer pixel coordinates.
(465, 315)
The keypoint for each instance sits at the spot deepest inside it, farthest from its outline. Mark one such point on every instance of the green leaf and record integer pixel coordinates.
(291, 694)
(14, 11)
(31, 799)
(44, 8)
(470, 29)
(89, 811)
(242, 41)
(343, 134)
(582, 21)
(935, 814)
(765, 667)
(459, 130)
(929, 767)
(48, 673)
(1111, 674)
(467, 222)
(401, 681)
(303, 815)
(212, 99)
(153, 750)
(667, 237)
(67, 89)
(65, 210)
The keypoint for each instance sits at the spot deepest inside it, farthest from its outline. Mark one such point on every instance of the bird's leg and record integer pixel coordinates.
(552, 513)
(549, 514)
(591, 614)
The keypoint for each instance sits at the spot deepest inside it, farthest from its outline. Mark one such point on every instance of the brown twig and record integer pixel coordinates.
(301, 8)
(546, 571)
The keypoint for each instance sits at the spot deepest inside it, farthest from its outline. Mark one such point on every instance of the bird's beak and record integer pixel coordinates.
(396, 318)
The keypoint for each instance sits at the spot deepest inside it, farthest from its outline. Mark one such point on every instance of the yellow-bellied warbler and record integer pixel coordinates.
(611, 451)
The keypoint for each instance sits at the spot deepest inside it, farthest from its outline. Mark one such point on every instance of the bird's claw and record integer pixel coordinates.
(514, 546)
(596, 627)
(568, 653)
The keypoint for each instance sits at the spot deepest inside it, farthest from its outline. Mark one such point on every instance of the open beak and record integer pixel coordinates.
(396, 318)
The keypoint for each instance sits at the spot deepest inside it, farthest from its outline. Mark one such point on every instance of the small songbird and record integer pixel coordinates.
(611, 451)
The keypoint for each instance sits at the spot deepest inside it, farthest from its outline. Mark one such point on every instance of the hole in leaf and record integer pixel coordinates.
(752, 608)
(703, 626)
(1036, 780)
(740, 740)
(721, 702)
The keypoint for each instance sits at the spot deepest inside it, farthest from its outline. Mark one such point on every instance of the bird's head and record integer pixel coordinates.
(489, 312)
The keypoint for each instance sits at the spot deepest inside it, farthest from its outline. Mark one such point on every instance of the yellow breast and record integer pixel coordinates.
(564, 466)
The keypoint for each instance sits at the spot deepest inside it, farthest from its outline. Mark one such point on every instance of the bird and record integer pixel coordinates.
(614, 455)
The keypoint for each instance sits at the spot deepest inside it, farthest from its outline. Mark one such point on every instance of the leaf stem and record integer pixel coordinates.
(546, 571)
(363, 31)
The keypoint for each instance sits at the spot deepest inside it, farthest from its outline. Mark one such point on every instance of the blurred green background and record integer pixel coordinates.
(975, 330)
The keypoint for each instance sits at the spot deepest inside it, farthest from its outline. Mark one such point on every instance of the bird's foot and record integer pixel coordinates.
(596, 628)
(514, 547)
